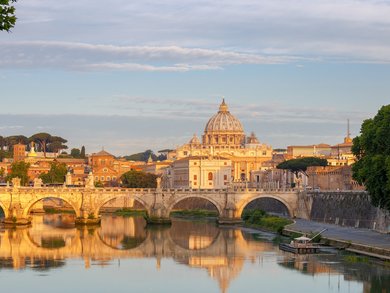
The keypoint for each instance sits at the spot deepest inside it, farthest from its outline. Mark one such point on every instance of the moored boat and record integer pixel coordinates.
(301, 245)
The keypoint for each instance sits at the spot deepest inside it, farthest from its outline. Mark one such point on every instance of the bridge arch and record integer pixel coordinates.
(242, 204)
(107, 199)
(31, 203)
(180, 198)
(5, 210)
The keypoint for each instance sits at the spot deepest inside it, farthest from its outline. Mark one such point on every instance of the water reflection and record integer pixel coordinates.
(224, 253)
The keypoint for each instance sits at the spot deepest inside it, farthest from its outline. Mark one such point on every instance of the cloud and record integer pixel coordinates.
(339, 30)
(82, 56)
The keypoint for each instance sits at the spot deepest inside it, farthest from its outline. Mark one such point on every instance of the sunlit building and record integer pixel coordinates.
(224, 137)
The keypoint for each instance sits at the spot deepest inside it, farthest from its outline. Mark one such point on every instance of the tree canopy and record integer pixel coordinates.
(56, 173)
(7, 15)
(144, 156)
(300, 165)
(19, 169)
(372, 150)
(138, 179)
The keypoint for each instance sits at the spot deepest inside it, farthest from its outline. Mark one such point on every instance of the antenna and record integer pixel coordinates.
(348, 132)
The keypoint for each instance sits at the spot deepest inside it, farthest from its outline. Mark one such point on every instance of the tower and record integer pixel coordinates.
(19, 152)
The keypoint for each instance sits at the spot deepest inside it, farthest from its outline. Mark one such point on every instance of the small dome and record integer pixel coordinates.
(224, 121)
(252, 139)
(194, 140)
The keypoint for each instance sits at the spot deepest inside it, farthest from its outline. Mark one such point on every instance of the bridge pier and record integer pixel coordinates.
(229, 217)
(87, 217)
(16, 217)
(158, 216)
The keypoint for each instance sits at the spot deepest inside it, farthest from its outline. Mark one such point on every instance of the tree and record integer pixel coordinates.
(7, 15)
(2, 173)
(19, 169)
(372, 151)
(56, 174)
(138, 179)
(297, 166)
(75, 153)
(82, 153)
(47, 142)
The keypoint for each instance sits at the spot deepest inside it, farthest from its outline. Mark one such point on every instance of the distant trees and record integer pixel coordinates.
(7, 15)
(19, 169)
(144, 156)
(76, 153)
(138, 179)
(372, 150)
(300, 165)
(45, 142)
(56, 174)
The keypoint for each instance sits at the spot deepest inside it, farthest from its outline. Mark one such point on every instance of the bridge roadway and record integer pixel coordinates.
(17, 201)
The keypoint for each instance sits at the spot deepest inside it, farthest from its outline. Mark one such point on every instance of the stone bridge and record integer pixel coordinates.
(17, 201)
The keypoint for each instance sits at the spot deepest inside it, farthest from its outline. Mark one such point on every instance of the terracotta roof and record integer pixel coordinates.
(103, 153)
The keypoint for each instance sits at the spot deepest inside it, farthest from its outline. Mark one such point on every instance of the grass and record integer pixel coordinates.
(125, 212)
(58, 211)
(356, 259)
(260, 219)
(198, 213)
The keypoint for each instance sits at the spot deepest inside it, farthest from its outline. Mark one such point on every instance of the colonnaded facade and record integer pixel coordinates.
(223, 139)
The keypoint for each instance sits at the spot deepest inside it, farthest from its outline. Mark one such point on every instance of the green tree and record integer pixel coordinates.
(19, 169)
(7, 15)
(372, 150)
(300, 165)
(56, 173)
(2, 173)
(138, 179)
(47, 142)
(82, 153)
(75, 153)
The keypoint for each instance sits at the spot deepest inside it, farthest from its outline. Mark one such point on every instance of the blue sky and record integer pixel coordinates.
(134, 75)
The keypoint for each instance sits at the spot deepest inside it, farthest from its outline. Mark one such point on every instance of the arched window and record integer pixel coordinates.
(210, 176)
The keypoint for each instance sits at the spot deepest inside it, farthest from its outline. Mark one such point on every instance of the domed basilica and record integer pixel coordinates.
(224, 138)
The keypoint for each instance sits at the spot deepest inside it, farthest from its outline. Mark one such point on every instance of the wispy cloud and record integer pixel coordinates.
(81, 56)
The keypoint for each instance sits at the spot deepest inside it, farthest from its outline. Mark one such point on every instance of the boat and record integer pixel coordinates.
(302, 245)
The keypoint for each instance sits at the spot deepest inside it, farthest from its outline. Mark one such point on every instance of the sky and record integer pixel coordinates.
(135, 75)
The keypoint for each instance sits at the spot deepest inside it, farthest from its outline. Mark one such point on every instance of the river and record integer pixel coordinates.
(123, 255)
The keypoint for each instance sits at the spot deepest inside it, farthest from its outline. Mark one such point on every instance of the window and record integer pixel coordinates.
(113, 178)
(195, 163)
(210, 176)
(194, 183)
(225, 163)
(102, 178)
(96, 178)
(185, 153)
(108, 178)
(195, 177)
(264, 153)
(224, 177)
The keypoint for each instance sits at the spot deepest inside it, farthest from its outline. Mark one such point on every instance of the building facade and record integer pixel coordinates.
(224, 137)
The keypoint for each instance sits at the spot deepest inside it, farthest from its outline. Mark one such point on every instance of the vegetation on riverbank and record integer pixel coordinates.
(260, 219)
(197, 213)
(58, 211)
(125, 212)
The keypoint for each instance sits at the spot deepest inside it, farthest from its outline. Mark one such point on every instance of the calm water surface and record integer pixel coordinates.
(124, 256)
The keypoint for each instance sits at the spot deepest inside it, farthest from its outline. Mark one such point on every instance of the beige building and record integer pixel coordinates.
(315, 150)
(224, 137)
(199, 172)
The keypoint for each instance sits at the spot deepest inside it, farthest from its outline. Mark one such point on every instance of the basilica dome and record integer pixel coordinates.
(224, 121)
(223, 129)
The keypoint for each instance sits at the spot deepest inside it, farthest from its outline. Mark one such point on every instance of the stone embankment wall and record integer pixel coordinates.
(348, 208)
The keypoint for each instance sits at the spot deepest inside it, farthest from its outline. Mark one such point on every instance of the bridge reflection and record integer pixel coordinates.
(52, 239)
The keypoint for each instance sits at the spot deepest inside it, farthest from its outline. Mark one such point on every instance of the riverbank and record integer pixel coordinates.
(361, 241)
(259, 219)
